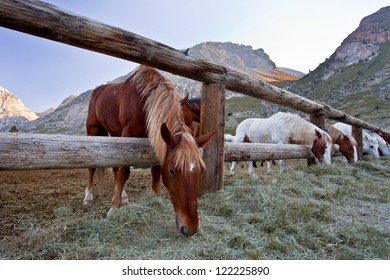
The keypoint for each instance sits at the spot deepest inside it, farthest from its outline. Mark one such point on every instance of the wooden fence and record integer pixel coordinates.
(20, 151)
(47, 21)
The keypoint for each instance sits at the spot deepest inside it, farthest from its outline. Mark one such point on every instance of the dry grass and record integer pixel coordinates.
(340, 211)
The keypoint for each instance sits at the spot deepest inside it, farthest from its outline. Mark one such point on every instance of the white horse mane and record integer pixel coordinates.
(300, 129)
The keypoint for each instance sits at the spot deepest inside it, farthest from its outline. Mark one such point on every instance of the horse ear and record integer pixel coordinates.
(185, 99)
(318, 134)
(203, 139)
(167, 136)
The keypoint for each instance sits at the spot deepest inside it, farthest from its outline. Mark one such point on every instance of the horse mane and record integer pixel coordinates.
(162, 105)
(335, 134)
(302, 130)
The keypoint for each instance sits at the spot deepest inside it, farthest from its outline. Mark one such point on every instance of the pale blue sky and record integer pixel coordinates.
(299, 34)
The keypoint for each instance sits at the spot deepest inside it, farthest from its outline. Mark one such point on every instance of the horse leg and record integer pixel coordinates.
(251, 170)
(282, 164)
(156, 174)
(121, 174)
(233, 167)
(269, 167)
(88, 198)
(93, 129)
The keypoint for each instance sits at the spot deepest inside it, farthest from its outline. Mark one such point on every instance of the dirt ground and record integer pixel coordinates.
(30, 199)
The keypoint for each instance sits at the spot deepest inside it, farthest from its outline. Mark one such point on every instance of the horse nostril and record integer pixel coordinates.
(184, 230)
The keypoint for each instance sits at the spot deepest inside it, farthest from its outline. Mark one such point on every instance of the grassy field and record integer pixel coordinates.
(340, 211)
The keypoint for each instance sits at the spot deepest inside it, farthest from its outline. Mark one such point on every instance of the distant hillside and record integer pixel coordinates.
(356, 77)
(68, 118)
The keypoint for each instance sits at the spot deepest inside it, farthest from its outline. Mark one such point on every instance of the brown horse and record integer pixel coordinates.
(147, 105)
(347, 144)
(191, 112)
(191, 109)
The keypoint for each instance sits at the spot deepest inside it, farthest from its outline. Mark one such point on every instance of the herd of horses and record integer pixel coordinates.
(147, 105)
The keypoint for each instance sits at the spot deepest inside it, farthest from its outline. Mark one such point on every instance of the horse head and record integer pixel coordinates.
(181, 171)
(321, 147)
(348, 147)
(370, 145)
(187, 112)
(383, 146)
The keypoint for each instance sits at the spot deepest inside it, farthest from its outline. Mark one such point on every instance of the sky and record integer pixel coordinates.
(298, 34)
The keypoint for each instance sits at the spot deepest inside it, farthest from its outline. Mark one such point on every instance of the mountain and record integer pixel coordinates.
(242, 58)
(12, 111)
(46, 112)
(70, 116)
(356, 77)
(12, 106)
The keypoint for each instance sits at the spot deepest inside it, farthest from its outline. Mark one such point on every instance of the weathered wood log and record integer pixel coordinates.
(257, 151)
(40, 151)
(212, 118)
(48, 21)
(20, 151)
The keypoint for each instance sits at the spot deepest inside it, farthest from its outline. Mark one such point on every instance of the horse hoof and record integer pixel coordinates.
(124, 200)
(111, 212)
(87, 202)
(88, 198)
(157, 193)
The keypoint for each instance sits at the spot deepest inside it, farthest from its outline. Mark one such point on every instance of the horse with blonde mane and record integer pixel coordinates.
(280, 129)
(147, 105)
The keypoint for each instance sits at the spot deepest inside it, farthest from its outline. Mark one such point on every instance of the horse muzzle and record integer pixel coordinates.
(184, 228)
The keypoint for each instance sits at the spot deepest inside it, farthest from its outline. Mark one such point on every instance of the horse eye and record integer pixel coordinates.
(172, 173)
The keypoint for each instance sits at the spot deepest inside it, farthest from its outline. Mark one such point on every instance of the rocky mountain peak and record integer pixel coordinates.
(356, 77)
(12, 106)
(373, 29)
(233, 55)
(363, 43)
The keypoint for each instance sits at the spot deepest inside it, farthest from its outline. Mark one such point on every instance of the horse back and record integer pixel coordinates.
(117, 109)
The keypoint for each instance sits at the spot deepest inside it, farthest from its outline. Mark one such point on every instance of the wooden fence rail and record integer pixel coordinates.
(50, 22)
(19, 151)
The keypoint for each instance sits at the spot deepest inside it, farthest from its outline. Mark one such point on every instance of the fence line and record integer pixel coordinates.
(50, 22)
(23, 151)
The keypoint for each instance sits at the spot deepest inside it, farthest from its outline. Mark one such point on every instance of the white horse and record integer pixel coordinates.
(232, 139)
(383, 146)
(370, 144)
(229, 138)
(282, 128)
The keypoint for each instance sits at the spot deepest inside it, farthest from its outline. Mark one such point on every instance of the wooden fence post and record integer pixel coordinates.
(357, 133)
(318, 120)
(212, 117)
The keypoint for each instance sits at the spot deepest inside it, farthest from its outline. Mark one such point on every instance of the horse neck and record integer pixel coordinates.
(162, 105)
(302, 130)
(335, 134)
(163, 108)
